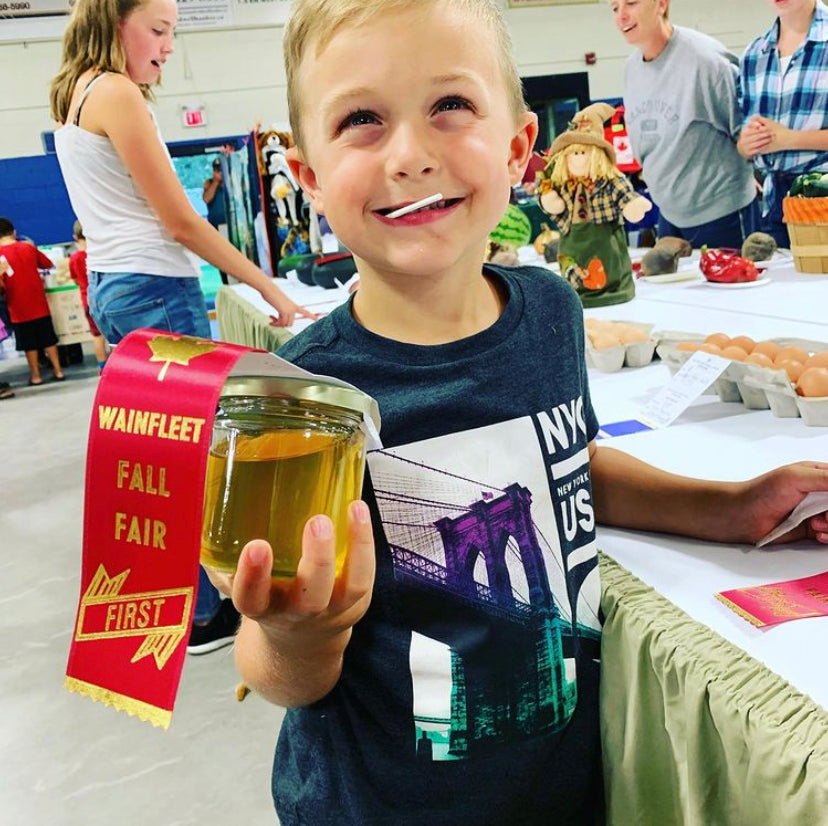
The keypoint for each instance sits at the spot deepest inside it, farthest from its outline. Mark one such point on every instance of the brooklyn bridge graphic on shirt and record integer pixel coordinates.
(491, 534)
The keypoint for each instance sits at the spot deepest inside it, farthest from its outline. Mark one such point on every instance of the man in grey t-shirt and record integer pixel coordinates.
(683, 120)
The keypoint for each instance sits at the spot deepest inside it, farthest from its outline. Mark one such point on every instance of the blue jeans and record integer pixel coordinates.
(772, 223)
(728, 231)
(121, 302)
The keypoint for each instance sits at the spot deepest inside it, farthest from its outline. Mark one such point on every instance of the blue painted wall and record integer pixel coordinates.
(34, 199)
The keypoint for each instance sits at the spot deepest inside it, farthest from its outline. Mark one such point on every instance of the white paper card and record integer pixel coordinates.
(330, 244)
(694, 377)
(811, 505)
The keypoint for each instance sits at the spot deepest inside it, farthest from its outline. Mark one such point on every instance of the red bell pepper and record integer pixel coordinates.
(726, 266)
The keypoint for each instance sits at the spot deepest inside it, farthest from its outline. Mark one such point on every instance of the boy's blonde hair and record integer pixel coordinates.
(319, 20)
(91, 40)
(600, 166)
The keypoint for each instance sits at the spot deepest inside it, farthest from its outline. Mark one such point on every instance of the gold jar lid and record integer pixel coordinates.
(311, 389)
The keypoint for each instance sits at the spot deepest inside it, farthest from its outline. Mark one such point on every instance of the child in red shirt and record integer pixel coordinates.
(77, 269)
(26, 299)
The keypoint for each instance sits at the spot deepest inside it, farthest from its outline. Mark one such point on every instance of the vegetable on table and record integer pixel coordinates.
(810, 185)
(725, 266)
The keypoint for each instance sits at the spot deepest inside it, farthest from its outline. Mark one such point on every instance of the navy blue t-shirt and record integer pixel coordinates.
(469, 691)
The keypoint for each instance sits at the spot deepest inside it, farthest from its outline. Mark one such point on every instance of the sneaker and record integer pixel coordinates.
(219, 632)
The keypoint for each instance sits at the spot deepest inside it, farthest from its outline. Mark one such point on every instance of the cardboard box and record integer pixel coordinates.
(68, 316)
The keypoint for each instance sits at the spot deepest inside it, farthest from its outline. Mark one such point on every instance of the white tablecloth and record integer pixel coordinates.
(723, 441)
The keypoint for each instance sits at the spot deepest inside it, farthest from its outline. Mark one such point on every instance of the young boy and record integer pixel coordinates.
(26, 298)
(784, 97)
(450, 675)
(77, 269)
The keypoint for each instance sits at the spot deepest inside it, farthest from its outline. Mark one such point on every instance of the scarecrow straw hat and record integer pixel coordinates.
(587, 128)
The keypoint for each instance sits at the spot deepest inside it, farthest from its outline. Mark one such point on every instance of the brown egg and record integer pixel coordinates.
(795, 353)
(768, 348)
(687, 346)
(734, 353)
(604, 341)
(817, 360)
(791, 367)
(719, 339)
(633, 335)
(745, 342)
(759, 358)
(709, 347)
(813, 382)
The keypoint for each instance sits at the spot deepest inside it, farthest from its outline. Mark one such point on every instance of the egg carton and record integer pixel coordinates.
(757, 387)
(612, 359)
(781, 397)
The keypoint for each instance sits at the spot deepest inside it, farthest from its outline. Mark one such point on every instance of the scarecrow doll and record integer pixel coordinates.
(588, 198)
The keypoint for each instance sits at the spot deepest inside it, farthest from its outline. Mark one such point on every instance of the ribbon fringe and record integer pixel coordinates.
(755, 621)
(159, 717)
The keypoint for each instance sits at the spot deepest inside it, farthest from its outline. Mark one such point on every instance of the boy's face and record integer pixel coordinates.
(409, 105)
(637, 20)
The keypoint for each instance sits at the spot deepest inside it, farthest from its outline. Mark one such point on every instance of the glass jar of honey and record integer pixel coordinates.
(282, 451)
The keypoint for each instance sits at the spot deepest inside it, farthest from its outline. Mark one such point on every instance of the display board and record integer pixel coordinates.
(521, 4)
(46, 19)
(33, 8)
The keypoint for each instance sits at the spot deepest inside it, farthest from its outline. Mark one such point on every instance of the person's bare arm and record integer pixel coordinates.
(754, 139)
(630, 493)
(123, 116)
(211, 186)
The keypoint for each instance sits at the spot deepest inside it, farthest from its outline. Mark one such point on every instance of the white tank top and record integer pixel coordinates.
(122, 230)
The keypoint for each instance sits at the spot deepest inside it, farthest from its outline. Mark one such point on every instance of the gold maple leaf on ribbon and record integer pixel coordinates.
(178, 350)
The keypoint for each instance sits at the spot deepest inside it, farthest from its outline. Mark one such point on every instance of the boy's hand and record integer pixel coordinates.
(314, 608)
(767, 500)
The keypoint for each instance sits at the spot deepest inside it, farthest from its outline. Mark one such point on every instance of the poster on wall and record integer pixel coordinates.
(525, 4)
(24, 20)
(33, 8)
(204, 14)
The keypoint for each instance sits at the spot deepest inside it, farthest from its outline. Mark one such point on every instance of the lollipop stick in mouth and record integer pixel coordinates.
(432, 199)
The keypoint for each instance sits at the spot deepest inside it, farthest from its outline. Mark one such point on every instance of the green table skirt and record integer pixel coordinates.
(241, 323)
(694, 730)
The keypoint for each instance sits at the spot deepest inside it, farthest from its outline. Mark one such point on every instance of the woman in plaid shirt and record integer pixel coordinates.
(784, 99)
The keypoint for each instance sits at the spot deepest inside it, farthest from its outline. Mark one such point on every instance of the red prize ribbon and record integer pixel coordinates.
(148, 444)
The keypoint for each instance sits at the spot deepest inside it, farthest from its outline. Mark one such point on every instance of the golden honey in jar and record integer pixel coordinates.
(277, 461)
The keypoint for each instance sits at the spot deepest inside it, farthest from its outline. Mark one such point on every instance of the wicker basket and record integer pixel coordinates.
(807, 220)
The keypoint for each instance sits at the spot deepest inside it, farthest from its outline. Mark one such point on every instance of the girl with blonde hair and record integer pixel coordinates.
(143, 236)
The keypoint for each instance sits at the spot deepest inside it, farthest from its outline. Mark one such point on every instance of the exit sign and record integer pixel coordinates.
(193, 116)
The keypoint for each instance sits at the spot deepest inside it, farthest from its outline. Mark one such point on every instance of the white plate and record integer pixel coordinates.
(739, 285)
(670, 277)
